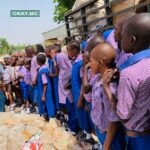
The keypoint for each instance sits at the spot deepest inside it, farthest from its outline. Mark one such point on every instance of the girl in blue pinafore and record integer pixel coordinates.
(45, 99)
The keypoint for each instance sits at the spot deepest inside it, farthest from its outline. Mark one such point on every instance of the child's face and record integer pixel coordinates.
(6, 61)
(71, 52)
(48, 53)
(53, 53)
(27, 66)
(117, 32)
(86, 58)
(13, 61)
(126, 41)
(20, 62)
(94, 65)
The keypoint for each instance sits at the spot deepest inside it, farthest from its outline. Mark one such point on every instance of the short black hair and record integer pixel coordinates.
(41, 58)
(27, 61)
(50, 47)
(74, 44)
(96, 40)
(57, 47)
(29, 49)
(39, 48)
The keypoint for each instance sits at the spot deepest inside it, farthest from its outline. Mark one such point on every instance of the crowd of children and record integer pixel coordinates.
(103, 89)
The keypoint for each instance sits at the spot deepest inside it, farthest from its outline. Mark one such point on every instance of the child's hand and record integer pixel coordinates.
(108, 75)
(14, 83)
(80, 104)
(43, 98)
(87, 66)
(86, 108)
(34, 82)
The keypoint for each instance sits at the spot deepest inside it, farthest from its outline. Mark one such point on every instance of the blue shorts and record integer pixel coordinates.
(138, 143)
(29, 93)
(118, 141)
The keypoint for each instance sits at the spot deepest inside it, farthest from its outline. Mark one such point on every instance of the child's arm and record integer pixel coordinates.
(80, 101)
(44, 92)
(107, 77)
(112, 128)
(86, 86)
(56, 70)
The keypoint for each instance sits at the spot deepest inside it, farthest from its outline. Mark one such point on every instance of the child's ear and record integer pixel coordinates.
(133, 39)
(100, 62)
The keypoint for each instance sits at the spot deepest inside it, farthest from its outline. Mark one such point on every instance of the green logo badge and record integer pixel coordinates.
(24, 13)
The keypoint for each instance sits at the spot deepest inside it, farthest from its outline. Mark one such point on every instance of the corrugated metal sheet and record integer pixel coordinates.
(59, 33)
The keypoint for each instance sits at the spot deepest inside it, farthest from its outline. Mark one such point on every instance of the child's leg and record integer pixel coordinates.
(9, 93)
(119, 139)
(18, 95)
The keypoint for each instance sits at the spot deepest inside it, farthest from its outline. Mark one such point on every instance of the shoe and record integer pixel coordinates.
(33, 110)
(73, 133)
(28, 111)
(90, 141)
(45, 116)
(82, 136)
(96, 147)
(11, 107)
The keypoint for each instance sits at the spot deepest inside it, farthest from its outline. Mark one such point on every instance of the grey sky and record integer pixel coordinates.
(26, 30)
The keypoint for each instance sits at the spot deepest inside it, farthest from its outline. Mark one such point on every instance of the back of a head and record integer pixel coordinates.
(49, 48)
(105, 51)
(29, 50)
(74, 44)
(41, 58)
(39, 48)
(27, 61)
(139, 28)
(125, 17)
(57, 47)
(96, 40)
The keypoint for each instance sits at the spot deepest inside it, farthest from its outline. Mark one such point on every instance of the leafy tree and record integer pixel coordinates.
(4, 46)
(62, 6)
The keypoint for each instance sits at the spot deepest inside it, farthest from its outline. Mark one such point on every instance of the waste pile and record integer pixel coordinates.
(20, 130)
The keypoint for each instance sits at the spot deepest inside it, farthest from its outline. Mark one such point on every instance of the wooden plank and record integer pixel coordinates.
(114, 14)
(70, 12)
(95, 10)
(82, 34)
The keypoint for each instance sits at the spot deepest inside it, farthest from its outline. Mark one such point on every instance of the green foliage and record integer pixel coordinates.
(62, 6)
(5, 48)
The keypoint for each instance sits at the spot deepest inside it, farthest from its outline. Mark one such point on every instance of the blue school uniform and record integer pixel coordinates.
(22, 86)
(27, 91)
(118, 141)
(54, 82)
(89, 126)
(49, 104)
(138, 143)
(76, 88)
(2, 101)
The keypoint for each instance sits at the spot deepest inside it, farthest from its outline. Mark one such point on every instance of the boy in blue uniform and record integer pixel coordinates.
(133, 92)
